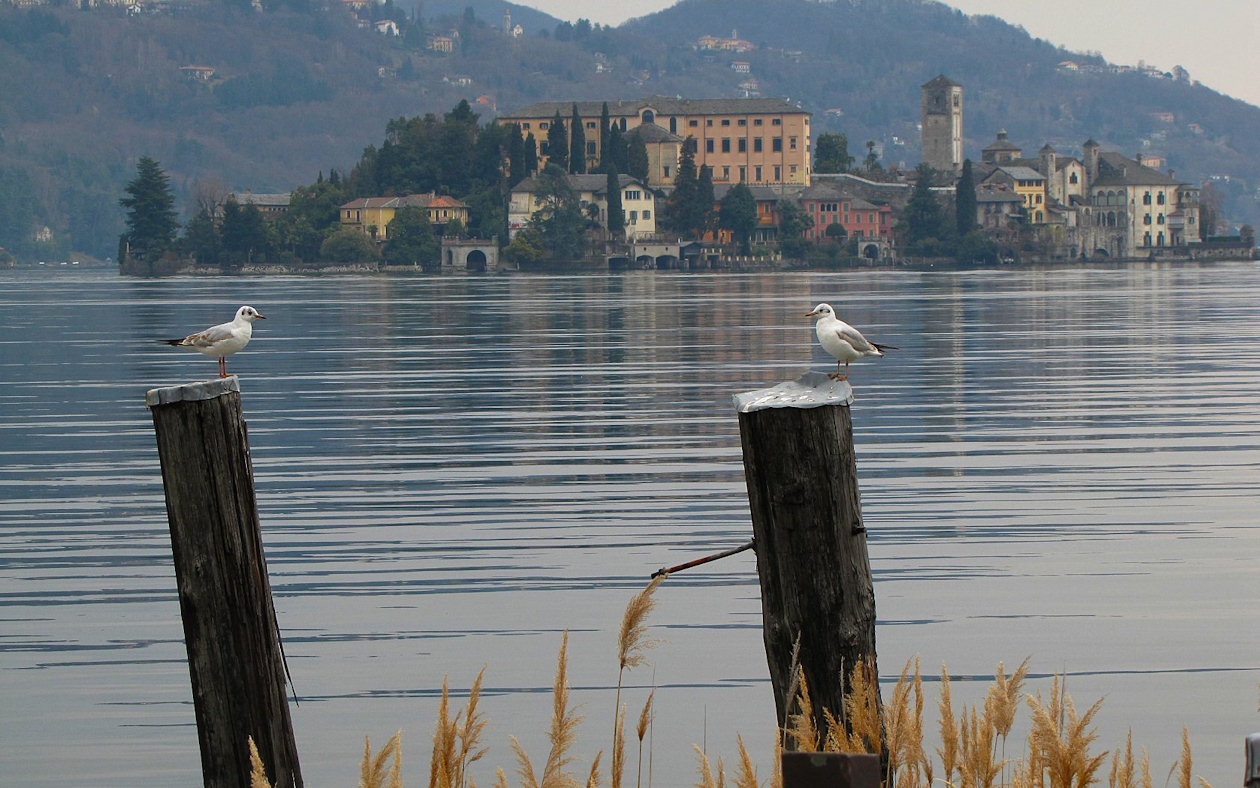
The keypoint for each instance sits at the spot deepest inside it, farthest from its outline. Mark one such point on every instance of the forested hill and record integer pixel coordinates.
(302, 87)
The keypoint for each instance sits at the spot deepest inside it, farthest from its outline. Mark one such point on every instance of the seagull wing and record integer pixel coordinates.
(210, 336)
(854, 337)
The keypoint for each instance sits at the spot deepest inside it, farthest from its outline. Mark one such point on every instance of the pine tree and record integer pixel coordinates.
(680, 211)
(558, 143)
(577, 144)
(704, 200)
(739, 214)
(151, 218)
(965, 200)
(637, 164)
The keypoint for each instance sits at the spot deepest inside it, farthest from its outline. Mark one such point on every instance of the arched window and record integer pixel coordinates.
(650, 117)
(1159, 198)
(1146, 198)
(1159, 218)
(1146, 239)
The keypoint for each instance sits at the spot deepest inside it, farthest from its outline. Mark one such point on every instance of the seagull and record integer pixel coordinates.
(844, 342)
(224, 339)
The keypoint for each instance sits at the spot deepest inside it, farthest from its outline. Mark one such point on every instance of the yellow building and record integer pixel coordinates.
(372, 215)
(1028, 184)
(754, 140)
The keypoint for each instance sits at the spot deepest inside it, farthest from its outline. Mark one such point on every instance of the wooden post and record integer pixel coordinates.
(230, 629)
(811, 546)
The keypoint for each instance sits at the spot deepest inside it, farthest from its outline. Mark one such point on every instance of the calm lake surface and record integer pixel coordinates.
(1059, 464)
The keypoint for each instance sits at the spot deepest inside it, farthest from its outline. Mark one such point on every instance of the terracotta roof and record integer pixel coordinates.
(661, 105)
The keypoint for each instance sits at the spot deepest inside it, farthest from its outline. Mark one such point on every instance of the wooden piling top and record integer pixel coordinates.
(191, 392)
(811, 390)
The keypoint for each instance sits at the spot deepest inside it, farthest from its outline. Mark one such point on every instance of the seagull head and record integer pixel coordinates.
(249, 314)
(822, 310)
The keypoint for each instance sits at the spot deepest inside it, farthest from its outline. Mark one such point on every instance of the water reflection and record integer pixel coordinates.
(453, 471)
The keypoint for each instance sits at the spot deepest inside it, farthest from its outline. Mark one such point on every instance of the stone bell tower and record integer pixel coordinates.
(943, 124)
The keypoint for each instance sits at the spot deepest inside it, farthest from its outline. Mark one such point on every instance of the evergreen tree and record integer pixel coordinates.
(680, 211)
(739, 214)
(831, 153)
(150, 204)
(793, 222)
(516, 156)
(559, 221)
(531, 155)
(965, 200)
(704, 200)
(244, 233)
(637, 164)
(923, 220)
(201, 239)
(604, 130)
(577, 144)
(617, 152)
(616, 215)
(558, 143)
(411, 239)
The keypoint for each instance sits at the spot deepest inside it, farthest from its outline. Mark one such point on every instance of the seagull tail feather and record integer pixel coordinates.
(175, 342)
(882, 348)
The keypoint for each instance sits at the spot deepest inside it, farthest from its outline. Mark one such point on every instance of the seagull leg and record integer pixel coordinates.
(836, 375)
(223, 367)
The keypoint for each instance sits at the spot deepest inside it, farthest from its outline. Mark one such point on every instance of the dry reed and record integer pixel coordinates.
(372, 773)
(645, 719)
(257, 773)
(562, 734)
(1060, 739)
(707, 778)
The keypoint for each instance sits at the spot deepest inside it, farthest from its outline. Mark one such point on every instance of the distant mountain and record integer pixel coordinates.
(224, 95)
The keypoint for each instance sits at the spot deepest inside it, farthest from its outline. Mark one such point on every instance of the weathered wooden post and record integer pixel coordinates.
(811, 546)
(230, 629)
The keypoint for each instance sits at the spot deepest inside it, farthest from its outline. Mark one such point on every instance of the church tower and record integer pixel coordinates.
(942, 125)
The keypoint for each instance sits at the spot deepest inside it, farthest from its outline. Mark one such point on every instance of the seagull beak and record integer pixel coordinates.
(811, 314)
(260, 316)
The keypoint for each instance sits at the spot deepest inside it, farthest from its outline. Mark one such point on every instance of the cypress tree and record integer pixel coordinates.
(637, 163)
(531, 155)
(577, 144)
(965, 200)
(603, 136)
(558, 143)
(704, 199)
(517, 171)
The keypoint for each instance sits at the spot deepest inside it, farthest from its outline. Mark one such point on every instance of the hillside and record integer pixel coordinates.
(298, 90)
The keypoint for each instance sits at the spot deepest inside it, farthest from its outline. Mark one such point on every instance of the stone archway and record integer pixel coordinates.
(475, 261)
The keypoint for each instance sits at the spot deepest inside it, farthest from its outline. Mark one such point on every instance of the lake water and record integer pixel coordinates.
(451, 472)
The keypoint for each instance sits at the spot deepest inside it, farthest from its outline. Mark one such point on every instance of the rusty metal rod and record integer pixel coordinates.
(663, 571)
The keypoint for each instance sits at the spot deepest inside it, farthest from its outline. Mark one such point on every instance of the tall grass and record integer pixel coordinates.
(1059, 750)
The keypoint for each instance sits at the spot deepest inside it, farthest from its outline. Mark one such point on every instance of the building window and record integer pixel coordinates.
(649, 116)
(708, 121)
(778, 172)
(757, 173)
(693, 123)
(544, 124)
(1159, 219)
(1146, 198)
(1146, 219)
(673, 125)
(632, 194)
(726, 144)
(743, 174)
(776, 122)
(726, 121)
(647, 215)
(1159, 198)
(776, 144)
(726, 173)
(634, 217)
(743, 122)
(1072, 178)
(708, 145)
(791, 143)
(590, 124)
(590, 148)
(756, 144)
(524, 125)
(666, 170)
(743, 145)
(756, 121)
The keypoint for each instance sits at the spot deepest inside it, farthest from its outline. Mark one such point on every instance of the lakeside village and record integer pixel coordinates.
(675, 183)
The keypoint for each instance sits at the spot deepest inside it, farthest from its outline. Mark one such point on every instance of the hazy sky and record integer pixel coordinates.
(1218, 41)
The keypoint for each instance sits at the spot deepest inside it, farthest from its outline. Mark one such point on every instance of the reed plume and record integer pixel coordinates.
(1002, 701)
(707, 778)
(948, 751)
(861, 708)
(592, 778)
(1123, 769)
(906, 759)
(747, 775)
(1060, 739)
(257, 772)
(563, 732)
(619, 749)
(795, 673)
(456, 743)
(645, 718)
(801, 726)
(979, 765)
(372, 773)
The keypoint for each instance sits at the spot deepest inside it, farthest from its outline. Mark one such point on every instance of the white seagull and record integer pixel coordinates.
(224, 339)
(844, 342)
